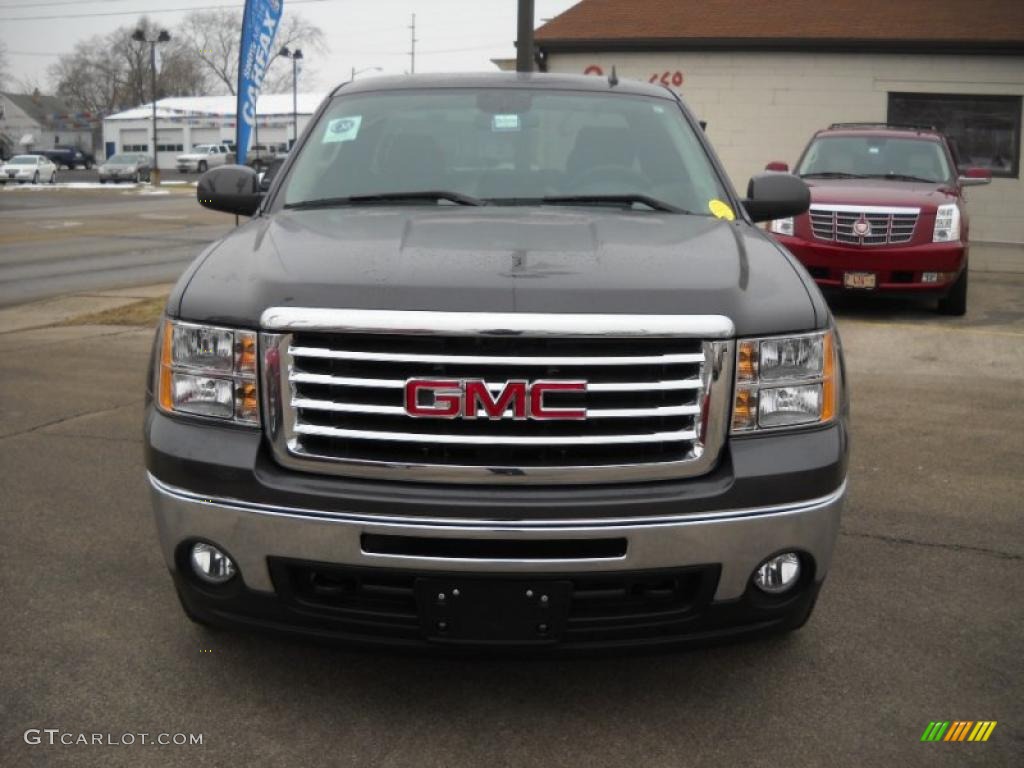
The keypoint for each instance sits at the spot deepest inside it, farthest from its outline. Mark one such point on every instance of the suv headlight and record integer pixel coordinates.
(947, 224)
(785, 381)
(782, 226)
(208, 371)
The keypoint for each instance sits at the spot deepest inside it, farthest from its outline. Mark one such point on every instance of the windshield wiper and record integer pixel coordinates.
(386, 197)
(832, 175)
(624, 199)
(901, 177)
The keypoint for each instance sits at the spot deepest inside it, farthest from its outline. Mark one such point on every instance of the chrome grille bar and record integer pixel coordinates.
(416, 437)
(399, 357)
(592, 413)
(615, 386)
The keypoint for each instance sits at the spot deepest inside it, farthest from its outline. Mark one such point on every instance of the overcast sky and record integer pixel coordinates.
(454, 35)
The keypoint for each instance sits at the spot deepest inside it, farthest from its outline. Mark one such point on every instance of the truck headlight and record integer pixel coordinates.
(947, 224)
(208, 371)
(782, 226)
(785, 381)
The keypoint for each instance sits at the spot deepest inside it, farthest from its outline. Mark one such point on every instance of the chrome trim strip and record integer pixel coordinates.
(399, 357)
(592, 413)
(617, 386)
(866, 209)
(412, 323)
(501, 526)
(449, 439)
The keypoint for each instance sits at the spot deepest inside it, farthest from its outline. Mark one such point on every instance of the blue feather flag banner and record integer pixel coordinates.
(259, 28)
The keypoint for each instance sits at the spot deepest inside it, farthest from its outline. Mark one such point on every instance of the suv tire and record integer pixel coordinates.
(955, 302)
(201, 168)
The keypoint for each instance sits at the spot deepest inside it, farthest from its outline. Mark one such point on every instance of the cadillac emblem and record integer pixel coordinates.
(862, 227)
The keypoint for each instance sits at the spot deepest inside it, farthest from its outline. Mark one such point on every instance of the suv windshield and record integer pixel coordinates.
(504, 146)
(876, 157)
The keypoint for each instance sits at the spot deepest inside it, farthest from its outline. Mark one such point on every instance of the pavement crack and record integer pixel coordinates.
(932, 544)
(72, 417)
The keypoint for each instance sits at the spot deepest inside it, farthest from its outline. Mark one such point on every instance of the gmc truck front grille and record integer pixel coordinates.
(655, 401)
(863, 225)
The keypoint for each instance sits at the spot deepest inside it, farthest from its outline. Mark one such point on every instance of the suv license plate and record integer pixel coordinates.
(492, 611)
(861, 280)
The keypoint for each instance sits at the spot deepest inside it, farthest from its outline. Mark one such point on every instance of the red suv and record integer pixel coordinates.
(887, 212)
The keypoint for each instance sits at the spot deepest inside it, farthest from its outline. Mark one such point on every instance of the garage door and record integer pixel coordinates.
(205, 136)
(170, 143)
(134, 140)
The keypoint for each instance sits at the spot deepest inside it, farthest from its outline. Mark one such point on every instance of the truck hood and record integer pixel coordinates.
(909, 194)
(510, 259)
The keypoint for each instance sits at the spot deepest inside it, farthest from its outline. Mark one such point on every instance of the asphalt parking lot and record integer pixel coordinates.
(921, 617)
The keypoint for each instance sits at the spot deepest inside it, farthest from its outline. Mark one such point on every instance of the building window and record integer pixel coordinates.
(135, 148)
(984, 130)
(169, 147)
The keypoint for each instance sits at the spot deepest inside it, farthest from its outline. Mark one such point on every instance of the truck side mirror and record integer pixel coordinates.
(776, 196)
(231, 189)
(777, 166)
(975, 177)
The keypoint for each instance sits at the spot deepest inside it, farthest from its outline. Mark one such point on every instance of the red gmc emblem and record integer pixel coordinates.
(470, 398)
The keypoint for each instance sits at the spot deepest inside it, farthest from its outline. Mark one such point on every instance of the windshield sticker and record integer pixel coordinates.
(721, 210)
(342, 129)
(500, 123)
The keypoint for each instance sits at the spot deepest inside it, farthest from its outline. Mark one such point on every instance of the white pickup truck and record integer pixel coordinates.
(204, 156)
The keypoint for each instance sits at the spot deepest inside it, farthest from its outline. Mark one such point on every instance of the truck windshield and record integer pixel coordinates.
(875, 157)
(504, 146)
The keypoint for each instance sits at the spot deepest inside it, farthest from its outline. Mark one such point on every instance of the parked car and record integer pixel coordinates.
(262, 156)
(126, 166)
(204, 156)
(525, 374)
(70, 157)
(887, 213)
(24, 169)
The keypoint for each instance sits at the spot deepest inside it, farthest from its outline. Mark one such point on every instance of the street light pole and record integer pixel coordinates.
(295, 56)
(140, 36)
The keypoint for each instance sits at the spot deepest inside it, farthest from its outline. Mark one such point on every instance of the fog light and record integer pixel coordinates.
(210, 564)
(777, 574)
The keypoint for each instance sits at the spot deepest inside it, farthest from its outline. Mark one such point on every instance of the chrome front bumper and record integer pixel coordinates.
(737, 539)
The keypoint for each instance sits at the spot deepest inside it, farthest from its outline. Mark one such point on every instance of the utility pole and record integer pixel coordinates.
(524, 38)
(139, 36)
(412, 51)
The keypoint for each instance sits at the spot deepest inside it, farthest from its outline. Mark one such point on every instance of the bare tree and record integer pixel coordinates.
(215, 38)
(110, 72)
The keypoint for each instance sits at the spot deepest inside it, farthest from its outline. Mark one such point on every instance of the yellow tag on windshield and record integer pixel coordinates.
(721, 210)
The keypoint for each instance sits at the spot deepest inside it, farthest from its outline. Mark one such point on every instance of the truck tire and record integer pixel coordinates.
(35, 179)
(955, 302)
(201, 168)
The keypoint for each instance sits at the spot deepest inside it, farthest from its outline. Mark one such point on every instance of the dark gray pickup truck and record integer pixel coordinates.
(498, 361)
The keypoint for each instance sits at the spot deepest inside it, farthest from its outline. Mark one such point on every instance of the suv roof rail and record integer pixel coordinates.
(904, 126)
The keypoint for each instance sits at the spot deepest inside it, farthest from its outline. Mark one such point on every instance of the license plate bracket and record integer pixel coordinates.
(862, 281)
(492, 611)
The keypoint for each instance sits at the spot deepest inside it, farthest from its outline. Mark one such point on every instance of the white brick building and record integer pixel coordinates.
(766, 77)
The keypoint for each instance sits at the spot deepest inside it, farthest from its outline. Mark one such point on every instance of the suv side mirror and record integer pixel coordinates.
(776, 196)
(975, 177)
(231, 189)
(777, 166)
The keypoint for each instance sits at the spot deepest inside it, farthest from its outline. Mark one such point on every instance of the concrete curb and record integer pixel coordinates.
(42, 314)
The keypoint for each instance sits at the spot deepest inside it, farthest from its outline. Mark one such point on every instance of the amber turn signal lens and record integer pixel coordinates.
(165, 398)
(245, 352)
(744, 411)
(746, 361)
(829, 389)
